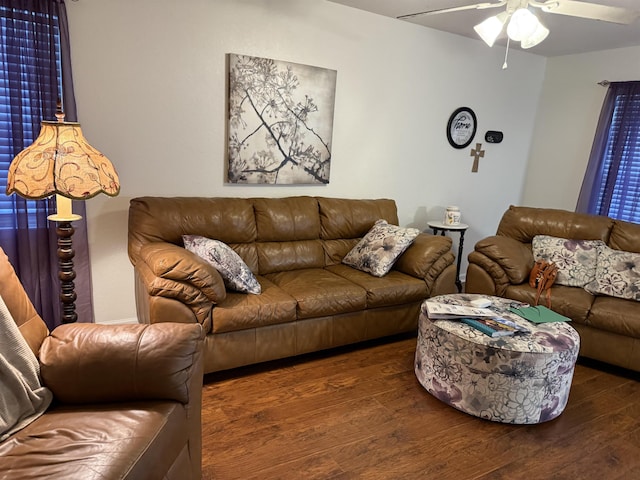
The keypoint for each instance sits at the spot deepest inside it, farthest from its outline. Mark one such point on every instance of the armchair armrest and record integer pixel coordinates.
(503, 256)
(426, 258)
(89, 363)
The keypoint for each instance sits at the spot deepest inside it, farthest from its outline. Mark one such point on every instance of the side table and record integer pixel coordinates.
(437, 226)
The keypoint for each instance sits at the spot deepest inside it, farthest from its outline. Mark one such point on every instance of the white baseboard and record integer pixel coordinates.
(119, 321)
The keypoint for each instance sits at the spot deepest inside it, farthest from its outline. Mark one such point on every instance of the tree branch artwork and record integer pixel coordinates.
(280, 121)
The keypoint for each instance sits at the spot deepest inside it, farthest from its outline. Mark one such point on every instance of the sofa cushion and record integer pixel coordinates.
(347, 218)
(158, 219)
(336, 250)
(575, 259)
(282, 256)
(380, 248)
(571, 302)
(624, 236)
(123, 440)
(615, 315)
(287, 219)
(617, 274)
(235, 273)
(395, 288)
(524, 223)
(320, 293)
(239, 312)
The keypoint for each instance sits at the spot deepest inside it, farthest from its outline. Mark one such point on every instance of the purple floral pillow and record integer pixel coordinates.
(617, 274)
(576, 259)
(235, 273)
(380, 247)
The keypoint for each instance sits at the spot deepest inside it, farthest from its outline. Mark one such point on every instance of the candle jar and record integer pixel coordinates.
(452, 216)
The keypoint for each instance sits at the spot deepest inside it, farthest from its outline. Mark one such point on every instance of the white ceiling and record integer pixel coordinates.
(568, 35)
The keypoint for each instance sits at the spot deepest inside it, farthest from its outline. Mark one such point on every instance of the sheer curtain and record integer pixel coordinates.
(611, 185)
(35, 57)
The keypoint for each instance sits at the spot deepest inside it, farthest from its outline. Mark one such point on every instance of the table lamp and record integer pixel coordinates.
(61, 162)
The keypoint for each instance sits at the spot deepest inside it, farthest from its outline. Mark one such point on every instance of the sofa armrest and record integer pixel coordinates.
(172, 262)
(502, 257)
(426, 258)
(90, 363)
(167, 274)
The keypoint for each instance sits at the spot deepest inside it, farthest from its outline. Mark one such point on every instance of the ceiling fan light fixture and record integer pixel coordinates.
(536, 37)
(489, 29)
(522, 25)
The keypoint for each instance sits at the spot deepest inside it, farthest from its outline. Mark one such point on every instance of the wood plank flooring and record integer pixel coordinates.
(359, 412)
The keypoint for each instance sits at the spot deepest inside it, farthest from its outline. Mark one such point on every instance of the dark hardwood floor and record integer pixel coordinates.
(359, 412)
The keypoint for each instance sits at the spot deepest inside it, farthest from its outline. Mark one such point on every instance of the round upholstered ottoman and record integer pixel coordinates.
(520, 379)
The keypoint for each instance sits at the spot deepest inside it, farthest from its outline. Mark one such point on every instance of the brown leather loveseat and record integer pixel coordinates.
(126, 399)
(609, 326)
(309, 300)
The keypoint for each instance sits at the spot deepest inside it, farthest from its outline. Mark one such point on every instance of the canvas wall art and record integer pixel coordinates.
(280, 121)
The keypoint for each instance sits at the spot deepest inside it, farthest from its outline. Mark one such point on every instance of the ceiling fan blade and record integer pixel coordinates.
(588, 10)
(477, 6)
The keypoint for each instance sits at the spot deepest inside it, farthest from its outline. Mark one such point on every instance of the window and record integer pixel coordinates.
(612, 182)
(25, 65)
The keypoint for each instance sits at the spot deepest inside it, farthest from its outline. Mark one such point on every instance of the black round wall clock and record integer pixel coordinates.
(461, 127)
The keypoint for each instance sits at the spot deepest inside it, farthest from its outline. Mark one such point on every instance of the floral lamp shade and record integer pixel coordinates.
(61, 161)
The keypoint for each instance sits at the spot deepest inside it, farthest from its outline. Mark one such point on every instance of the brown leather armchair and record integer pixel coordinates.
(126, 399)
(609, 327)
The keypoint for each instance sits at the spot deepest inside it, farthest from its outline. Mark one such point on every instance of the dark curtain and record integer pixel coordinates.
(612, 171)
(33, 84)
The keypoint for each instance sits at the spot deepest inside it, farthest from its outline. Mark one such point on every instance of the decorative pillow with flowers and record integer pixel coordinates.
(235, 273)
(617, 274)
(575, 259)
(379, 249)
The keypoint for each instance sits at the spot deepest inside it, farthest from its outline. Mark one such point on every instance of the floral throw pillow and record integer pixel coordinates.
(380, 248)
(617, 274)
(235, 273)
(575, 259)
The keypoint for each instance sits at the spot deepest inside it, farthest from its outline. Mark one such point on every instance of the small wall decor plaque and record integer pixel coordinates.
(461, 127)
(493, 136)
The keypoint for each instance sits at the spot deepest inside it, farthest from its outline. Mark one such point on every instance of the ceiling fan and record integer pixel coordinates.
(523, 26)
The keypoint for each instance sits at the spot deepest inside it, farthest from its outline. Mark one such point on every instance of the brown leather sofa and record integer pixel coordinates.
(126, 399)
(609, 327)
(294, 245)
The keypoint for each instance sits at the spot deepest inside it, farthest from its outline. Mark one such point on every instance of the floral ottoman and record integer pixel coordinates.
(520, 379)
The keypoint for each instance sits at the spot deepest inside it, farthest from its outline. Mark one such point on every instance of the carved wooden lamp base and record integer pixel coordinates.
(66, 274)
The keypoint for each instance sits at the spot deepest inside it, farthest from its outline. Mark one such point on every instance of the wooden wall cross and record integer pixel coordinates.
(477, 153)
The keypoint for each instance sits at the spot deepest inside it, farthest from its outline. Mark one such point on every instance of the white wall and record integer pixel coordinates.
(567, 119)
(150, 86)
